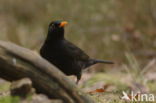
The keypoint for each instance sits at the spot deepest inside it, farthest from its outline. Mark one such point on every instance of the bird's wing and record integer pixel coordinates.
(74, 51)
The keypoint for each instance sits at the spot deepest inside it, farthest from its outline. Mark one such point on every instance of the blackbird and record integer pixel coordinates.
(63, 54)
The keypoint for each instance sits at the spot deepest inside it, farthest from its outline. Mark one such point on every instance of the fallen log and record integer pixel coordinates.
(17, 62)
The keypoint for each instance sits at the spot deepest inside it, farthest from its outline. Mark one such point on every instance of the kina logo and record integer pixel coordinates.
(138, 97)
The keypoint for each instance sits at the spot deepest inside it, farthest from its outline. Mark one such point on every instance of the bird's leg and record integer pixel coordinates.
(78, 78)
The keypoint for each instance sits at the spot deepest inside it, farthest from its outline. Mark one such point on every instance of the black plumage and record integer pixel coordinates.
(63, 54)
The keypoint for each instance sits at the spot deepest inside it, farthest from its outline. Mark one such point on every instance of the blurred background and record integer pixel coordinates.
(123, 31)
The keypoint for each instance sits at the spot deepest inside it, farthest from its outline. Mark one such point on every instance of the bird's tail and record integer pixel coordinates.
(103, 61)
(94, 61)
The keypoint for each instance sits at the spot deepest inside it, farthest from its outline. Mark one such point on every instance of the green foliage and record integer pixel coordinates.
(133, 68)
(9, 99)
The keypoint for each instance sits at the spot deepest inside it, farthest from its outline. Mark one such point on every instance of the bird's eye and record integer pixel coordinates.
(52, 26)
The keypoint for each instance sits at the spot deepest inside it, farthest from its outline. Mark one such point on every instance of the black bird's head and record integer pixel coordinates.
(56, 30)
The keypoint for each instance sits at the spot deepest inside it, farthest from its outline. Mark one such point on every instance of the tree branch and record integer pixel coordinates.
(17, 62)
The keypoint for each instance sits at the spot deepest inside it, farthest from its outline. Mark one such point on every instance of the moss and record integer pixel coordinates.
(151, 86)
(9, 99)
(107, 78)
(5, 86)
